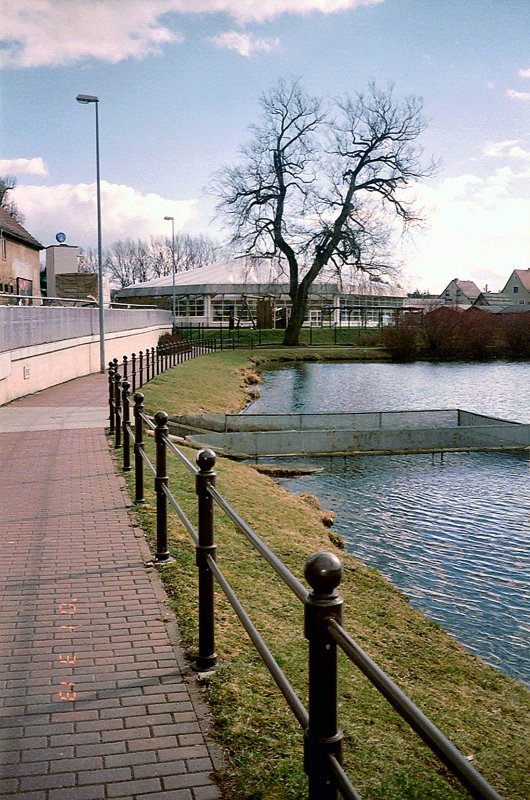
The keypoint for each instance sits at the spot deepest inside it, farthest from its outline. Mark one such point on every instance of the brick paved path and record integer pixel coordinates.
(96, 700)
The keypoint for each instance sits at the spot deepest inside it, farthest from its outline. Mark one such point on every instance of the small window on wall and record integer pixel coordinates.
(3, 249)
(515, 289)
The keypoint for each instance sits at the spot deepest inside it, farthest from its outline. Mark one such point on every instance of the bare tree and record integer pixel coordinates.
(191, 252)
(7, 184)
(88, 260)
(320, 187)
(119, 263)
(160, 256)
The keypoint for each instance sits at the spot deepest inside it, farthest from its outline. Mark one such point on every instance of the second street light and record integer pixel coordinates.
(85, 99)
(173, 315)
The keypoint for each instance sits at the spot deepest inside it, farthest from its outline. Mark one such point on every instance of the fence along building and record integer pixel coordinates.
(257, 293)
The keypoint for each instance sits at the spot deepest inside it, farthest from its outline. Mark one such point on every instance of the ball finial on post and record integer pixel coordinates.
(323, 572)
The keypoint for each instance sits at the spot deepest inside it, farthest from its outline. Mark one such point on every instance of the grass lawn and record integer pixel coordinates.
(484, 713)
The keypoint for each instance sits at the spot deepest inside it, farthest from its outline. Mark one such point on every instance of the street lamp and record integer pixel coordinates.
(173, 316)
(85, 99)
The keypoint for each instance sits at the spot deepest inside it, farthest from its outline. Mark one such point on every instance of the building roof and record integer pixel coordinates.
(522, 308)
(493, 299)
(241, 276)
(469, 288)
(12, 229)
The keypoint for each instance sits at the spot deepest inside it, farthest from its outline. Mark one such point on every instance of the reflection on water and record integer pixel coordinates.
(453, 534)
(500, 388)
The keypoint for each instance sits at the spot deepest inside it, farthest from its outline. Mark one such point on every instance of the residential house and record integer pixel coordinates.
(19, 261)
(518, 287)
(460, 293)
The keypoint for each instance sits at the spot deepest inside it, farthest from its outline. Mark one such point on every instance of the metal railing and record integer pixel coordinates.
(322, 609)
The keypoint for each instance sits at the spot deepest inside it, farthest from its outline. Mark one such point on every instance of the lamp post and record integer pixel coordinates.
(85, 99)
(173, 315)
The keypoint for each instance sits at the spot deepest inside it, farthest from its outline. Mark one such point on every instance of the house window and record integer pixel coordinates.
(3, 249)
(515, 289)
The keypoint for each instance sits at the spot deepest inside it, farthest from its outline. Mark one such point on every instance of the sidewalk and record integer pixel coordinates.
(95, 697)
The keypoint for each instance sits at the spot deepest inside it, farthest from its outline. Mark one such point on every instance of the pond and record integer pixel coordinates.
(452, 533)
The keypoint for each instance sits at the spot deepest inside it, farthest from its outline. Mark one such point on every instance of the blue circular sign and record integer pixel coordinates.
(61, 237)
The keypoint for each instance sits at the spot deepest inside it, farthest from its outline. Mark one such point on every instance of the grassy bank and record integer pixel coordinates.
(484, 713)
(217, 382)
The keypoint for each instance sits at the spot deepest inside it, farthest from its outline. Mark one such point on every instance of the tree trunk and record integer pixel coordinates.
(296, 320)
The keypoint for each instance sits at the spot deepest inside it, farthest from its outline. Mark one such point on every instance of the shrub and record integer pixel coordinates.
(402, 341)
(515, 330)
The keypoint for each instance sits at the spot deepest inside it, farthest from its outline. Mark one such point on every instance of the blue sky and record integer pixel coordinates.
(179, 83)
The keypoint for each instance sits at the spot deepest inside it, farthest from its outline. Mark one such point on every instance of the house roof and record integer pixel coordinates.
(12, 229)
(522, 308)
(493, 299)
(469, 288)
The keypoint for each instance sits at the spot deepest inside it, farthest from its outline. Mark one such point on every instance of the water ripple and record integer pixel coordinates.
(453, 535)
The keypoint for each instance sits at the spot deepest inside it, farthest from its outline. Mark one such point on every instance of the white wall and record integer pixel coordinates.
(26, 370)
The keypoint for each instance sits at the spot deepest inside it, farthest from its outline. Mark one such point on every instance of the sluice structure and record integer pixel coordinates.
(260, 435)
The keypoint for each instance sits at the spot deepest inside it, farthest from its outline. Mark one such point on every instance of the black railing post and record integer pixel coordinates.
(133, 371)
(147, 363)
(126, 419)
(138, 446)
(323, 572)
(125, 368)
(141, 369)
(111, 397)
(207, 657)
(161, 480)
(117, 409)
(152, 362)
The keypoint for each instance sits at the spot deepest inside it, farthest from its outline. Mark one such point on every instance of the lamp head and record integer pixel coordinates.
(170, 218)
(87, 98)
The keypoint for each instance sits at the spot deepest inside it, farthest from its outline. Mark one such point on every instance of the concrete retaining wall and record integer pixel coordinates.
(23, 326)
(44, 361)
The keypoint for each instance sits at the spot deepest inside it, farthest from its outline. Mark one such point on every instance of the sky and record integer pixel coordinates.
(179, 83)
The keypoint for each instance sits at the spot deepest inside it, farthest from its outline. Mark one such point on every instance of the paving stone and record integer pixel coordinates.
(93, 702)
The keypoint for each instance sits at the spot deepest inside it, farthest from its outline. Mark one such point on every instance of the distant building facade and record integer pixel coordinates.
(241, 293)
(518, 287)
(19, 262)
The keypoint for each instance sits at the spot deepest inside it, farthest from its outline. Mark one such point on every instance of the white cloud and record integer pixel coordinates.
(477, 230)
(126, 213)
(524, 73)
(37, 33)
(23, 166)
(506, 149)
(244, 43)
(523, 97)
(259, 10)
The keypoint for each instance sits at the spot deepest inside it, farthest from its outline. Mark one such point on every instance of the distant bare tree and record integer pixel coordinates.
(191, 252)
(88, 260)
(7, 184)
(319, 188)
(160, 256)
(119, 264)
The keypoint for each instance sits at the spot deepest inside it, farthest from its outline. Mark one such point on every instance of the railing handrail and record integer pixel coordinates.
(285, 574)
(416, 719)
(323, 606)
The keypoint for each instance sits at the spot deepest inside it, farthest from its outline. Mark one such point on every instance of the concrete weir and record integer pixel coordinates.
(257, 435)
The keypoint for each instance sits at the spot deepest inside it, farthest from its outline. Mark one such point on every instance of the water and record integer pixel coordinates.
(501, 388)
(452, 534)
